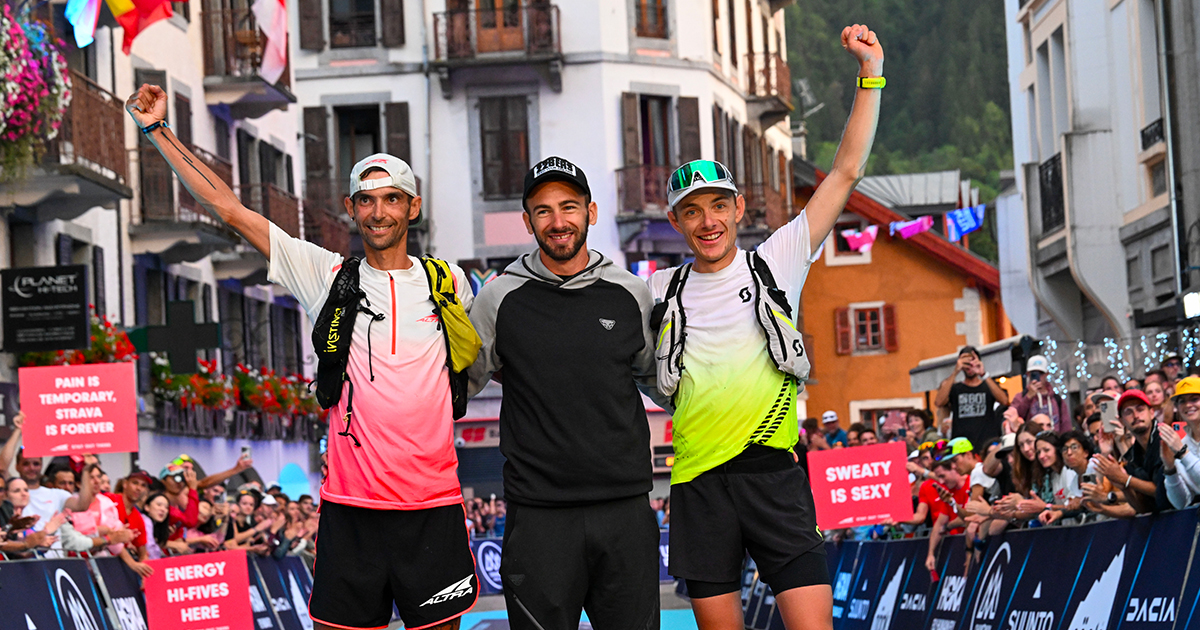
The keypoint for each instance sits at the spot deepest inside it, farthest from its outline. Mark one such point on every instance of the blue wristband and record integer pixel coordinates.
(151, 127)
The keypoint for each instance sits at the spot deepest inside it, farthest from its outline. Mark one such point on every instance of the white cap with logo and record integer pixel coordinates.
(400, 175)
(1037, 363)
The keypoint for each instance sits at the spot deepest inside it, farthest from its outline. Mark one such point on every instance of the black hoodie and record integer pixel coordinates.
(573, 352)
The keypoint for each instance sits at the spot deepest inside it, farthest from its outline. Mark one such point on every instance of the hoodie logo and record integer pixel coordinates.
(607, 323)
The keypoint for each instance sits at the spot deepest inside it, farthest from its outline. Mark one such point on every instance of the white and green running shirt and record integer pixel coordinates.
(731, 395)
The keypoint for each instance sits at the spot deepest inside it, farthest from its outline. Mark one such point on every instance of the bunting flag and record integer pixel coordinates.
(272, 19)
(135, 15)
(480, 277)
(909, 229)
(861, 242)
(82, 14)
(963, 221)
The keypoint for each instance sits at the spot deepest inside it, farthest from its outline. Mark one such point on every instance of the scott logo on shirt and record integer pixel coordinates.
(331, 343)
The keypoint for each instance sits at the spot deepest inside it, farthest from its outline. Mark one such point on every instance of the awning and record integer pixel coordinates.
(1000, 358)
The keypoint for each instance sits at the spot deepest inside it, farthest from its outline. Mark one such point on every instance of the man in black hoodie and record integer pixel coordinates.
(570, 331)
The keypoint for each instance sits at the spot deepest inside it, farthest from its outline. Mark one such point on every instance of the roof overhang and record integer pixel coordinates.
(1000, 358)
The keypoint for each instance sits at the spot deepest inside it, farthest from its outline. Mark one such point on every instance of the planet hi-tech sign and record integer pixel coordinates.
(45, 308)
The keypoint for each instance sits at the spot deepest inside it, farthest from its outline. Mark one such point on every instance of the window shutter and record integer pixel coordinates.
(689, 128)
(842, 331)
(890, 342)
(718, 135)
(399, 143)
(392, 14)
(312, 25)
(316, 157)
(155, 176)
(183, 119)
(63, 246)
(630, 129)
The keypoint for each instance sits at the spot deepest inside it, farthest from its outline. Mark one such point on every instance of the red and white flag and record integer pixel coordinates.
(272, 19)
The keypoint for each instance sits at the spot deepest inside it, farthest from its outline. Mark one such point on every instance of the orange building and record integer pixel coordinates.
(871, 317)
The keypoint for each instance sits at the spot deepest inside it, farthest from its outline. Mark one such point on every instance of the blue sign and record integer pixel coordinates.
(487, 565)
(288, 600)
(664, 556)
(49, 594)
(123, 589)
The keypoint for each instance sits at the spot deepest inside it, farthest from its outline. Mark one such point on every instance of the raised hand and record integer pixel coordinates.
(863, 44)
(19, 420)
(148, 105)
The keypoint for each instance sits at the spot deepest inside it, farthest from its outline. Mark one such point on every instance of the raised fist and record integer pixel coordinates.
(862, 42)
(148, 105)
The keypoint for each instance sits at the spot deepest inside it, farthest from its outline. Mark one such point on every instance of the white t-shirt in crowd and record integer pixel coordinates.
(991, 489)
(45, 502)
(1065, 485)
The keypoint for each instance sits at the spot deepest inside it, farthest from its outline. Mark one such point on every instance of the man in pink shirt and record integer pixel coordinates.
(391, 527)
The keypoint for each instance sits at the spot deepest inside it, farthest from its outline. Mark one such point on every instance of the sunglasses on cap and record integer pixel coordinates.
(709, 171)
(938, 445)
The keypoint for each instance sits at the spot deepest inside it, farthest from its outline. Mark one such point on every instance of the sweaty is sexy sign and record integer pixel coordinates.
(75, 409)
(862, 485)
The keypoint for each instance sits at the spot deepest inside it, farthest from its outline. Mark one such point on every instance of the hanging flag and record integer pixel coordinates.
(861, 242)
(963, 221)
(909, 229)
(135, 15)
(272, 19)
(480, 277)
(645, 268)
(82, 14)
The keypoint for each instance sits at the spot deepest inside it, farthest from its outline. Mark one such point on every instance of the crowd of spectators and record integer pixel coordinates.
(994, 464)
(70, 506)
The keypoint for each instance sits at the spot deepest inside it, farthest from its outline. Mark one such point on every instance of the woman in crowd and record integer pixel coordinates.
(1024, 459)
(207, 535)
(919, 428)
(1163, 410)
(18, 538)
(243, 532)
(158, 512)
(1055, 486)
(288, 536)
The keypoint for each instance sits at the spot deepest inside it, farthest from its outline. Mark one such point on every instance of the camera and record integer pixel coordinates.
(176, 476)
(459, 442)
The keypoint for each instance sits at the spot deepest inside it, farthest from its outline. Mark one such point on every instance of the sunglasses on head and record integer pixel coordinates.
(707, 170)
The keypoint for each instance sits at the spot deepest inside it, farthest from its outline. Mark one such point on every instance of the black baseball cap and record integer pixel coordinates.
(554, 169)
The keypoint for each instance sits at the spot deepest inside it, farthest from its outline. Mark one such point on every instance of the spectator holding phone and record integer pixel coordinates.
(1181, 455)
(1139, 472)
(973, 401)
(1038, 398)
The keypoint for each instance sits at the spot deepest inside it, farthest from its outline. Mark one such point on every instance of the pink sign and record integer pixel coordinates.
(75, 409)
(206, 591)
(862, 485)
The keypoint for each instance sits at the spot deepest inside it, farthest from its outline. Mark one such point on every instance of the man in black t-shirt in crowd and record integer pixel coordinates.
(972, 401)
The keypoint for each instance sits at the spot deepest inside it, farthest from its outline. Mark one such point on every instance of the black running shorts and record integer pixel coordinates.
(758, 502)
(602, 558)
(367, 559)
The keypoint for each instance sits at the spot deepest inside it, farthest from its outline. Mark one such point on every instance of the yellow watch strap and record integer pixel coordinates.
(876, 83)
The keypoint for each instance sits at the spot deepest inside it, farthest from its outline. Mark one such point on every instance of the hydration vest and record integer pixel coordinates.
(785, 344)
(334, 328)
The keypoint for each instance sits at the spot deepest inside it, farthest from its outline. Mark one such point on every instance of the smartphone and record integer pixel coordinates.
(1108, 416)
(1180, 428)
(245, 452)
(1089, 478)
(903, 433)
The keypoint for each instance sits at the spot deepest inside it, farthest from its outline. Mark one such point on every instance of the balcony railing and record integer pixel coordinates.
(325, 229)
(642, 188)
(91, 132)
(768, 76)
(157, 186)
(352, 30)
(276, 204)
(234, 45)
(465, 35)
(1152, 134)
(764, 206)
(223, 169)
(1050, 181)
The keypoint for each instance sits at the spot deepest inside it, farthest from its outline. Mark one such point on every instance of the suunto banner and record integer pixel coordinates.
(1127, 574)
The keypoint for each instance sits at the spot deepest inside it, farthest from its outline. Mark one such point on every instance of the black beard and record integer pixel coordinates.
(563, 254)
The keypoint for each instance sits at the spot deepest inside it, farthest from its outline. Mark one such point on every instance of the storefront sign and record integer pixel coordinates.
(45, 308)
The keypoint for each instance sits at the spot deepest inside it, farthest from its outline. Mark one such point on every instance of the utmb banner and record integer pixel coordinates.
(1127, 575)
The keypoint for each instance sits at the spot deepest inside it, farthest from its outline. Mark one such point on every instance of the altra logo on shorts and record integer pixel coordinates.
(454, 591)
(554, 164)
(608, 323)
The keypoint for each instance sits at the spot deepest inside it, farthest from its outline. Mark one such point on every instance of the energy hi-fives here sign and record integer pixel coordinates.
(863, 485)
(200, 592)
(79, 409)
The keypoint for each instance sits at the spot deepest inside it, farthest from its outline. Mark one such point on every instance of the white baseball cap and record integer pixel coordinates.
(1037, 363)
(829, 416)
(400, 174)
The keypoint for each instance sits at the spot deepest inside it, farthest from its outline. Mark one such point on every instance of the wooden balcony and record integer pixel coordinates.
(509, 35)
(768, 88)
(222, 167)
(764, 207)
(169, 221)
(326, 229)
(233, 54)
(86, 165)
(276, 204)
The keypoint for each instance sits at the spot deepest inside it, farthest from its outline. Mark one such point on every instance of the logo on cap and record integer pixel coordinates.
(554, 164)
(698, 176)
(379, 161)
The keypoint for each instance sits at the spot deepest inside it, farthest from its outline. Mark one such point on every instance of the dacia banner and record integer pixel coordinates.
(122, 588)
(49, 595)
(1126, 574)
(288, 598)
(487, 565)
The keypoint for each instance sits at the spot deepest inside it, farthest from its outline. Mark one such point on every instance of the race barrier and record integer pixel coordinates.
(104, 594)
(489, 550)
(1117, 575)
